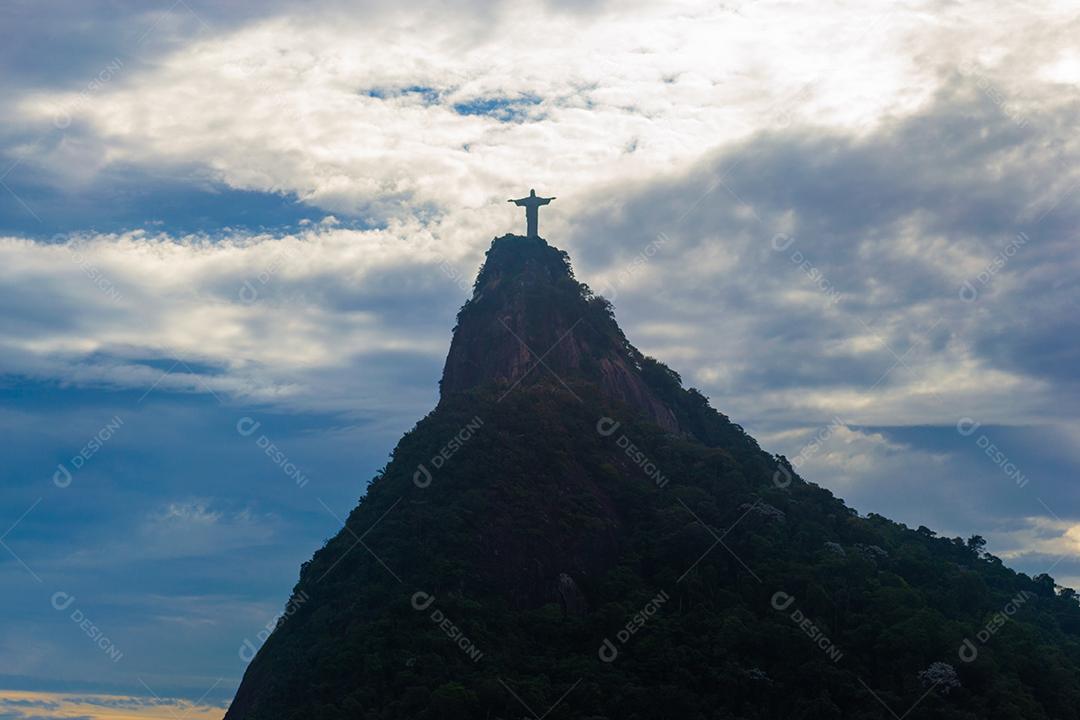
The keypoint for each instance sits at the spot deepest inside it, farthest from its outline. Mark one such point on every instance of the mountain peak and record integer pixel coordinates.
(524, 259)
(539, 534)
(531, 322)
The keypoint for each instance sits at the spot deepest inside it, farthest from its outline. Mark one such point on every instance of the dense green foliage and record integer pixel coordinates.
(891, 599)
(777, 600)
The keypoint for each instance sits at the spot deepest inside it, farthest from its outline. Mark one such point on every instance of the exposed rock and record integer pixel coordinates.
(530, 321)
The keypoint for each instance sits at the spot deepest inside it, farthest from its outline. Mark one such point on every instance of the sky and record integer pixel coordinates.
(852, 225)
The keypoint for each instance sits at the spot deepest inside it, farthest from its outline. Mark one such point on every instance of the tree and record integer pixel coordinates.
(940, 675)
(1044, 584)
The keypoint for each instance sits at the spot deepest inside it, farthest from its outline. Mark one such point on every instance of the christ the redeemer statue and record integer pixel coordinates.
(531, 204)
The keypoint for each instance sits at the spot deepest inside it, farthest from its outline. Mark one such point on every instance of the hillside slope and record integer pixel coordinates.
(572, 534)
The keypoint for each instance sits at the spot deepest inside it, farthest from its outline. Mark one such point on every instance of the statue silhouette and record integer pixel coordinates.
(531, 204)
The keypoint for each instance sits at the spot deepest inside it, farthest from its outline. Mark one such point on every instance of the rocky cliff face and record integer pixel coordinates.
(530, 321)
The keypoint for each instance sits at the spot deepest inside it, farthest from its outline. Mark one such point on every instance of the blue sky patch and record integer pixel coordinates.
(501, 108)
(427, 95)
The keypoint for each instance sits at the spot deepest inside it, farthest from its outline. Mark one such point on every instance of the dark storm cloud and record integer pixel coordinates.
(884, 219)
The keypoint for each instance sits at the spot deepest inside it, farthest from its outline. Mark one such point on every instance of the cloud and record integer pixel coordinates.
(195, 528)
(261, 318)
(32, 705)
(1040, 536)
(843, 261)
(380, 118)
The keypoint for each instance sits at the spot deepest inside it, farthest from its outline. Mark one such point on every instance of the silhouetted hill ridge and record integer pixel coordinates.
(510, 552)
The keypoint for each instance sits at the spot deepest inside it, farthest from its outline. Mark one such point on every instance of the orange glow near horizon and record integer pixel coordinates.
(27, 703)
